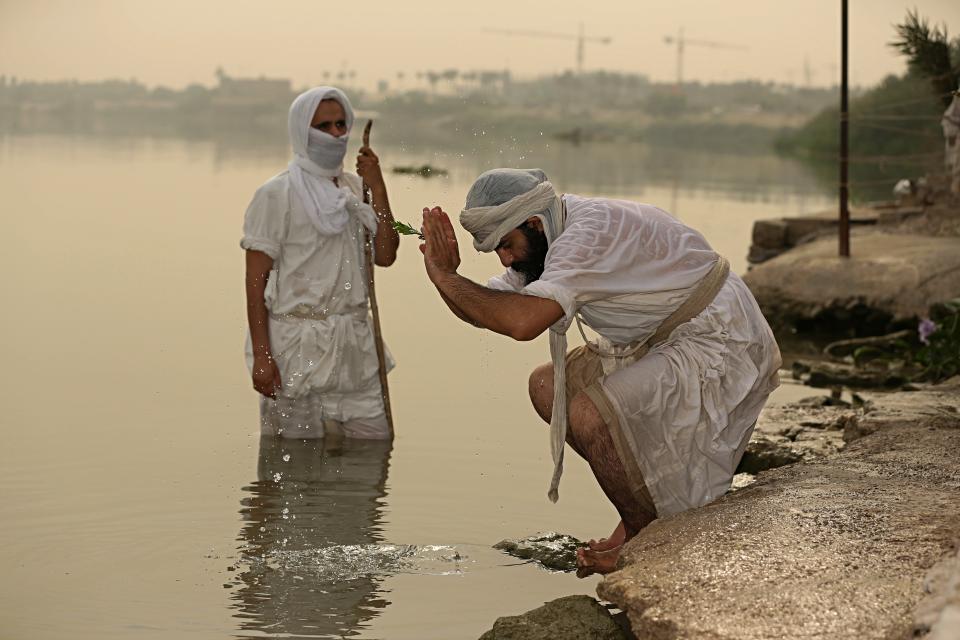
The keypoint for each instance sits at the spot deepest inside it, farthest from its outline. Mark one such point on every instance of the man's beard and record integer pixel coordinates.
(531, 267)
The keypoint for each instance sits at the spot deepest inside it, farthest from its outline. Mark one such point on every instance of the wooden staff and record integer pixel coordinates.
(374, 309)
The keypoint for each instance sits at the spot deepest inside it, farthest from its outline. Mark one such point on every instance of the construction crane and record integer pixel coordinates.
(682, 42)
(579, 37)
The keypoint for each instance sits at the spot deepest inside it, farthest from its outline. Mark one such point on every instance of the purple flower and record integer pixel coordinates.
(925, 329)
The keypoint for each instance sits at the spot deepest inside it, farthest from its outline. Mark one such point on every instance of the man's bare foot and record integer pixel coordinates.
(616, 539)
(590, 561)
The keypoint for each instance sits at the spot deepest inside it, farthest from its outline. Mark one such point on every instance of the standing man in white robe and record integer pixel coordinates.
(663, 404)
(311, 350)
(951, 136)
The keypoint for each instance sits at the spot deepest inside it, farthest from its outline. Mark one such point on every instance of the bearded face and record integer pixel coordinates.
(531, 263)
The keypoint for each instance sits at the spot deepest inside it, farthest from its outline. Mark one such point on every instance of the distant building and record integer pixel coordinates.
(247, 91)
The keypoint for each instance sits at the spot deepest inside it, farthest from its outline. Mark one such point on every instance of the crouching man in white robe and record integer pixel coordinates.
(663, 404)
(311, 350)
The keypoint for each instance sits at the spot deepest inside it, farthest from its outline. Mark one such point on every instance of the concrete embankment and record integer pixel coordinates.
(858, 544)
(901, 262)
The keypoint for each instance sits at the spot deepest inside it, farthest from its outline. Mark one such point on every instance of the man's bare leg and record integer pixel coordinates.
(541, 395)
(593, 436)
(589, 436)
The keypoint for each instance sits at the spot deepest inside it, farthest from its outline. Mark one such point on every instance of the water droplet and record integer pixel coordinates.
(286, 457)
(348, 286)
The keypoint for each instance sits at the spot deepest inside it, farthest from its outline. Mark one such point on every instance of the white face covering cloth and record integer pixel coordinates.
(317, 158)
(326, 151)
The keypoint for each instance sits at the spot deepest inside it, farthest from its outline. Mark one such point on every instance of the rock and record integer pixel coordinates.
(937, 617)
(756, 254)
(569, 618)
(770, 234)
(741, 481)
(897, 217)
(773, 236)
(763, 454)
(889, 280)
(823, 401)
(855, 429)
(553, 550)
(806, 430)
(839, 548)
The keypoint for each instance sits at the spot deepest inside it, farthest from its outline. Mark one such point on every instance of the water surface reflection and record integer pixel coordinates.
(310, 496)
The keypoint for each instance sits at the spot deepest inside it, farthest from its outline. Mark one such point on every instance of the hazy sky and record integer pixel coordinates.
(176, 42)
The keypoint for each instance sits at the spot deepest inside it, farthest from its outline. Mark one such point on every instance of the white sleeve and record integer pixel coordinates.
(510, 280)
(265, 220)
(578, 265)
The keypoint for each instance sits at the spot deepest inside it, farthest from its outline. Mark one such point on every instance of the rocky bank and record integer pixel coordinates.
(843, 523)
(861, 543)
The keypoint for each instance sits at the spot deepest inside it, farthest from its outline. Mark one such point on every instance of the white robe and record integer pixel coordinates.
(328, 359)
(688, 407)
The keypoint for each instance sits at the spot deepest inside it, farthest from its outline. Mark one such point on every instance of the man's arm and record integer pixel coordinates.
(266, 374)
(387, 240)
(518, 316)
(456, 310)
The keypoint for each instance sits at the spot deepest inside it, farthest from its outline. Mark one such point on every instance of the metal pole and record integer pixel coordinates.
(844, 138)
(580, 51)
(680, 58)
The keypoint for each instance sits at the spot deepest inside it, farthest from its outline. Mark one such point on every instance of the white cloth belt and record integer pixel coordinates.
(360, 313)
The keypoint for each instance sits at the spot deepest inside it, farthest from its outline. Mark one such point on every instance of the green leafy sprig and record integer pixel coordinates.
(406, 230)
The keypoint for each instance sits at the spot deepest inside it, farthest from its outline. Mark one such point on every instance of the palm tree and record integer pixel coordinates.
(930, 53)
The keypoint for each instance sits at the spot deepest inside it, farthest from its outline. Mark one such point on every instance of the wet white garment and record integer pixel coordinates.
(320, 330)
(688, 407)
(951, 133)
(302, 419)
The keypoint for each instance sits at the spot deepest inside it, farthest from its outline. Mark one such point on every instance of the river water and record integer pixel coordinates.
(139, 499)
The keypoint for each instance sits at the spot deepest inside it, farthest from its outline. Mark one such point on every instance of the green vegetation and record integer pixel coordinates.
(894, 127)
(899, 117)
(930, 54)
(932, 356)
(424, 171)
(405, 229)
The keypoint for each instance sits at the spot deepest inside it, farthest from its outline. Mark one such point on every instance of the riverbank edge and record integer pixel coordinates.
(847, 546)
(903, 259)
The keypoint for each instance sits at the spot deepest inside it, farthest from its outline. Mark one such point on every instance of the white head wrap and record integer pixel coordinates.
(499, 201)
(327, 205)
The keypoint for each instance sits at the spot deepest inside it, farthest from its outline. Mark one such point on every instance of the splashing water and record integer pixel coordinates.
(348, 562)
